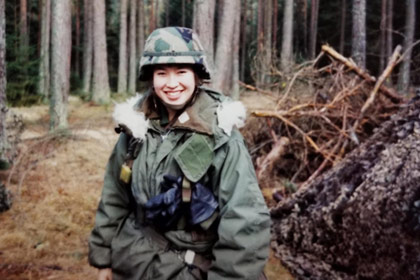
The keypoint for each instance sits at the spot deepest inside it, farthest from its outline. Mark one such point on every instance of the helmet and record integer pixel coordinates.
(173, 45)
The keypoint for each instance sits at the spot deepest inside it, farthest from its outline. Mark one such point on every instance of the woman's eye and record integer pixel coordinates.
(160, 73)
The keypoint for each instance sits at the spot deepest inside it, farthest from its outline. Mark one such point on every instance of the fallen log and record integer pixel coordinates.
(360, 219)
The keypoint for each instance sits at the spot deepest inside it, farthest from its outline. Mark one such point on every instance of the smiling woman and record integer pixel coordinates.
(174, 85)
(180, 198)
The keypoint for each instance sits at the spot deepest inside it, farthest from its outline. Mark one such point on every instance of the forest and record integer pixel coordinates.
(332, 94)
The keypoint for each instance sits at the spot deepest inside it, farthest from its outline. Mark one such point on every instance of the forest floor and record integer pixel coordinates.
(56, 183)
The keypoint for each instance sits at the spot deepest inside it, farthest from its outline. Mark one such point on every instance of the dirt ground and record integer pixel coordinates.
(56, 182)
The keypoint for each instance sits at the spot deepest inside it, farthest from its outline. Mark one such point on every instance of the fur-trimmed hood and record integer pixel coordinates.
(229, 113)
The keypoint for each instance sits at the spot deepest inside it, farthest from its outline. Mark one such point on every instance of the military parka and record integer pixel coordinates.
(204, 148)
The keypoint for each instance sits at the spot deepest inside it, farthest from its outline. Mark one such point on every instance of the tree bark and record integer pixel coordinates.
(87, 45)
(23, 25)
(358, 42)
(132, 73)
(268, 42)
(3, 98)
(44, 65)
(223, 60)
(100, 87)
(382, 39)
(152, 21)
(77, 39)
(343, 25)
(140, 29)
(313, 33)
(235, 63)
(60, 63)
(360, 220)
(404, 75)
(122, 62)
(203, 25)
(287, 42)
(244, 37)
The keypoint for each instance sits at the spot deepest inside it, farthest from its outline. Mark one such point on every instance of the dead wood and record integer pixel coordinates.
(338, 112)
(361, 219)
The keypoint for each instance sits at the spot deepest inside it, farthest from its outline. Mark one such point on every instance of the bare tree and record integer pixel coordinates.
(60, 62)
(122, 61)
(87, 45)
(404, 75)
(132, 73)
(358, 43)
(235, 63)
(44, 65)
(313, 33)
(203, 24)
(223, 58)
(140, 28)
(343, 25)
(382, 39)
(267, 41)
(23, 25)
(77, 38)
(287, 42)
(389, 28)
(100, 88)
(3, 106)
(244, 37)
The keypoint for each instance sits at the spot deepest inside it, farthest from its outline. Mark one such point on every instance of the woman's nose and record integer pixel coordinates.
(172, 81)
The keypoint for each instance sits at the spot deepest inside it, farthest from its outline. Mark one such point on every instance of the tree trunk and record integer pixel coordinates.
(60, 63)
(140, 29)
(203, 25)
(404, 75)
(100, 87)
(235, 64)
(287, 42)
(382, 39)
(44, 65)
(389, 28)
(23, 26)
(343, 25)
(77, 39)
(275, 25)
(244, 37)
(3, 99)
(313, 33)
(132, 73)
(268, 42)
(87, 45)
(152, 21)
(358, 42)
(223, 60)
(361, 219)
(122, 62)
(183, 12)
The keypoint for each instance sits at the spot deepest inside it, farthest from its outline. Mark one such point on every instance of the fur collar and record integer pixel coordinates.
(230, 114)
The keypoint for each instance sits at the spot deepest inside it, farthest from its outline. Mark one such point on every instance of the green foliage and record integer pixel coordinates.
(22, 73)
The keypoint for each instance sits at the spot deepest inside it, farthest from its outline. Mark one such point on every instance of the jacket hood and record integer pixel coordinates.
(199, 117)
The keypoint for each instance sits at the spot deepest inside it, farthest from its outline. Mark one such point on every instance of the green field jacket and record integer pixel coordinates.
(200, 147)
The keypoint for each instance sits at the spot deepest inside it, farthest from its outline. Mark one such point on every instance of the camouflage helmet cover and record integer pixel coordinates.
(173, 45)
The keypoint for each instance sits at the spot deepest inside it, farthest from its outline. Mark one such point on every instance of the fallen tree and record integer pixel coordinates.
(360, 219)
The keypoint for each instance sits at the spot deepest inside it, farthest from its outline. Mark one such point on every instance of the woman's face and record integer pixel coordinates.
(174, 85)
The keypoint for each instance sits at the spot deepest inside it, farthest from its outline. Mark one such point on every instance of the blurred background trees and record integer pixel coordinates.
(256, 42)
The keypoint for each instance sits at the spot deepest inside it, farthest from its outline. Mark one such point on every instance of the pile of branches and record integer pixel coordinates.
(344, 106)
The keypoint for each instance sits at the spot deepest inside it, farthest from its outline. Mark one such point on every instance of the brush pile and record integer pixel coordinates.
(312, 131)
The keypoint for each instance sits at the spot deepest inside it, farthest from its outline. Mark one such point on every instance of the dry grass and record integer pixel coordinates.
(56, 182)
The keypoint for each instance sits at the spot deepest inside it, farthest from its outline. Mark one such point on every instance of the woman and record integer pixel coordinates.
(180, 197)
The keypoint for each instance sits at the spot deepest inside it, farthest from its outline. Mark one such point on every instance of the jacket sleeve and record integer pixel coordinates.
(244, 229)
(112, 209)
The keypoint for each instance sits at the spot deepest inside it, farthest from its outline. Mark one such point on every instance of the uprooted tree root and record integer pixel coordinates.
(311, 133)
